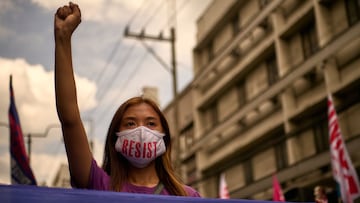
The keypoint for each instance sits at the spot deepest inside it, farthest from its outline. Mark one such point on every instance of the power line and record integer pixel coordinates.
(132, 74)
(111, 81)
(114, 51)
(111, 56)
(128, 53)
(114, 75)
(136, 12)
(156, 12)
(102, 116)
(176, 12)
(117, 47)
(157, 57)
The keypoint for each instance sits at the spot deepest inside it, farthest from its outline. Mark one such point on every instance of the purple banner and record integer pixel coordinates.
(33, 194)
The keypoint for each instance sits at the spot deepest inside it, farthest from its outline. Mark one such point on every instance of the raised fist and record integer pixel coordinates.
(63, 12)
(67, 18)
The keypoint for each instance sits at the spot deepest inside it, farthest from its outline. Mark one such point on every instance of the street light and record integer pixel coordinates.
(4, 124)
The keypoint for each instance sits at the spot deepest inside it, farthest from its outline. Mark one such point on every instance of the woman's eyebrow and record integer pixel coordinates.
(151, 118)
(129, 118)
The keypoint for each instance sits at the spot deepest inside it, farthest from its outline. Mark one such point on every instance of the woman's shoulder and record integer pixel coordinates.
(191, 191)
(98, 179)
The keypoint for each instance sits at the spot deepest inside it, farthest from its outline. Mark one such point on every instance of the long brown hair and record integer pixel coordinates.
(117, 166)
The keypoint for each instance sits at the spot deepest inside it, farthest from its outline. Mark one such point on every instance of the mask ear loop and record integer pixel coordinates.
(159, 188)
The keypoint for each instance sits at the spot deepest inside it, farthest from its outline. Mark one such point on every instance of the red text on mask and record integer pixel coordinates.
(139, 150)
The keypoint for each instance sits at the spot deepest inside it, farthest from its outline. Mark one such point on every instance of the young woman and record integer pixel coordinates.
(138, 145)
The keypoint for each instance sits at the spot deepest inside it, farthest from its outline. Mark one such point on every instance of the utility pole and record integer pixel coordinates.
(31, 135)
(142, 36)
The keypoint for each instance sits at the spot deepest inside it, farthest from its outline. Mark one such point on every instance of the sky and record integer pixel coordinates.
(109, 68)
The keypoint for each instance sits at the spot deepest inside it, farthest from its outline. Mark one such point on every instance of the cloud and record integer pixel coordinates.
(34, 93)
(35, 102)
(96, 10)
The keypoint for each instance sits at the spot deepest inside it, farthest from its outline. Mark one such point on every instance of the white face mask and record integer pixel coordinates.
(140, 145)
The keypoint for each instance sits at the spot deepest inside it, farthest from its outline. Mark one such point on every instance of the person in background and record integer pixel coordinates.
(138, 143)
(320, 194)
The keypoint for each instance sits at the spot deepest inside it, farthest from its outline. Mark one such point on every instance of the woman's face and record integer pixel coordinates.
(141, 115)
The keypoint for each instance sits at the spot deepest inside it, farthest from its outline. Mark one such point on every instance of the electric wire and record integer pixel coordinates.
(113, 52)
(182, 6)
(125, 58)
(156, 12)
(122, 65)
(136, 12)
(126, 83)
(175, 14)
(114, 75)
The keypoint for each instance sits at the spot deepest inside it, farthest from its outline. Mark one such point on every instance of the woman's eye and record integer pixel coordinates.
(130, 124)
(151, 124)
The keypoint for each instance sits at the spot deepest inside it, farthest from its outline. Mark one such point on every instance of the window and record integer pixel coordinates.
(281, 155)
(210, 117)
(187, 138)
(235, 25)
(301, 146)
(309, 40)
(242, 94)
(227, 103)
(321, 135)
(263, 3)
(248, 171)
(256, 81)
(236, 177)
(263, 164)
(353, 11)
(272, 70)
(210, 52)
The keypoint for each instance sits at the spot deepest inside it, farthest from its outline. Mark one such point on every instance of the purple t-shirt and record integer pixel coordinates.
(100, 180)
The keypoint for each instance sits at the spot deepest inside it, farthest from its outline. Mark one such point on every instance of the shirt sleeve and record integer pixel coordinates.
(99, 179)
(192, 192)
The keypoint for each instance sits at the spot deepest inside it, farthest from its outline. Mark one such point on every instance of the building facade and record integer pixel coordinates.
(257, 105)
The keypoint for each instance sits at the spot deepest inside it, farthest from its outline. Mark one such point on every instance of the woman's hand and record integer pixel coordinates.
(67, 18)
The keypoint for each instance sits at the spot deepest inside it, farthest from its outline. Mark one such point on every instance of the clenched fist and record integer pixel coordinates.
(67, 18)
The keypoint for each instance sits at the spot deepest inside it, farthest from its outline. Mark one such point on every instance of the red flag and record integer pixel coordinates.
(277, 192)
(21, 172)
(223, 190)
(343, 170)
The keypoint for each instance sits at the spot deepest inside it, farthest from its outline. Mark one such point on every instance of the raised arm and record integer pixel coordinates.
(67, 18)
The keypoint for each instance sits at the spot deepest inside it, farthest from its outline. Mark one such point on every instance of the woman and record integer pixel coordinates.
(138, 145)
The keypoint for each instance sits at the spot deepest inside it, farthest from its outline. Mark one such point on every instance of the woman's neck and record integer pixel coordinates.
(144, 176)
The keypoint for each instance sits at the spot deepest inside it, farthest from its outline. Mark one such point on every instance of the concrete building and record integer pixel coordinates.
(257, 105)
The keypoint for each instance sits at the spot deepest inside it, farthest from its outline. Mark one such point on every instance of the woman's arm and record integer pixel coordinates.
(67, 18)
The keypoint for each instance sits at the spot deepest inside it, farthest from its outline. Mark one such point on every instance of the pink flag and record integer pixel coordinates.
(343, 170)
(277, 192)
(223, 190)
